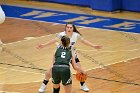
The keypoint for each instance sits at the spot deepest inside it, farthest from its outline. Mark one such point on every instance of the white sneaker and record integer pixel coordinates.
(42, 88)
(84, 88)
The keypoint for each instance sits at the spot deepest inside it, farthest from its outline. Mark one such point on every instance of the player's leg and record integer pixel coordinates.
(66, 79)
(83, 84)
(68, 88)
(56, 88)
(48, 75)
(2, 16)
(56, 79)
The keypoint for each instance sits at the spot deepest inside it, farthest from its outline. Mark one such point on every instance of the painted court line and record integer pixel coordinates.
(95, 21)
(131, 50)
(8, 92)
(82, 27)
(73, 73)
(125, 60)
(22, 70)
(75, 24)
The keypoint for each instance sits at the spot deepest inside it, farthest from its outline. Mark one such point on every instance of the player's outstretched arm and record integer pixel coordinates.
(46, 44)
(86, 42)
(75, 66)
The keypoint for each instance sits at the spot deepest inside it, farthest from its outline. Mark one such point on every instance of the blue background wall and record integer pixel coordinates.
(105, 5)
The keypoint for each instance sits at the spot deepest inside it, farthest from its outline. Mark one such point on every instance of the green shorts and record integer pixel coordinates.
(61, 73)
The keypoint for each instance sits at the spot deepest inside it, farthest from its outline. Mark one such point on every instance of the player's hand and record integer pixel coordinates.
(97, 46)
(40, 46)
(84, 72)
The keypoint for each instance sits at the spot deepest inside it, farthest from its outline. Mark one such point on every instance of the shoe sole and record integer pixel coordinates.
(85, 90)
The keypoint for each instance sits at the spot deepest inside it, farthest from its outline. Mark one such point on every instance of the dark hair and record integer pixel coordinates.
(74, 27)
(65, 41)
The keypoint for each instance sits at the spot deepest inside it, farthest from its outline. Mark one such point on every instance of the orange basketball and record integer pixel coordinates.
(81, 77)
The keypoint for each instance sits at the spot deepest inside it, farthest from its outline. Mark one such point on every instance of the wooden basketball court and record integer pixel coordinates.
(112, 69)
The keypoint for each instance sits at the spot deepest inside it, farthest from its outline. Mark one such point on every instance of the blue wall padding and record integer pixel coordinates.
(74, 2)
(131, 5)
(106, 5)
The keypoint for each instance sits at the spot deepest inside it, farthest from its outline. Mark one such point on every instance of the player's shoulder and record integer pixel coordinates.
(76, 34)
(62, 33)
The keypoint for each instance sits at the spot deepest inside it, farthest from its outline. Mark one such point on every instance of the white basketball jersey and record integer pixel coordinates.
(75, 36)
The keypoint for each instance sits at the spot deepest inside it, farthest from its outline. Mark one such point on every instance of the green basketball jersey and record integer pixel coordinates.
(62, 56)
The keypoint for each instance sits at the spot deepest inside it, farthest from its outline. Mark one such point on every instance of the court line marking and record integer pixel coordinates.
(77, 49)
(44, 8)
(21, 70)
(62, 24)
(91, 50)
(113, 63)
(31, 38)
(8, 92)
(25, 72)
(28, 39)
(125, 60)
(108, 17)
(131, 50)
(72, 73)
(76, 25)
(56, 33)
(106, 51)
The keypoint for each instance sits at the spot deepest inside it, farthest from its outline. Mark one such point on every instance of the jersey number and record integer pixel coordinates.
(63, 54)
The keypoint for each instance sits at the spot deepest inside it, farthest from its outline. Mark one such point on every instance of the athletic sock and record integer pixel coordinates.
(45, 82)
(82, 83)
(56, 90)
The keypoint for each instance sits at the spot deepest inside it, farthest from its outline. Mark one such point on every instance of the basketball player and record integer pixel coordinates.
(74, 35)
(2, 18)
(61, 67)
(2, 15)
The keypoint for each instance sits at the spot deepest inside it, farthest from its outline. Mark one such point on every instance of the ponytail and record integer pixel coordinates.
(65, 41)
